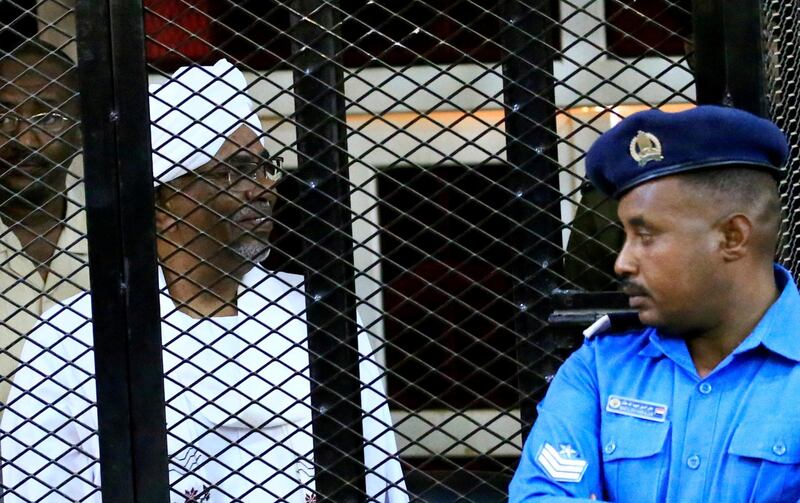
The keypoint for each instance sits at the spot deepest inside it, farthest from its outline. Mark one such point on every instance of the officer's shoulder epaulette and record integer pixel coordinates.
(614, 323)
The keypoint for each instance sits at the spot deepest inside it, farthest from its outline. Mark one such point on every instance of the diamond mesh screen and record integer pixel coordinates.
(44, 249)
(781, 50)
(456, 247)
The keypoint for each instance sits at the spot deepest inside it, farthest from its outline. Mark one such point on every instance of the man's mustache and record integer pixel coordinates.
(253, 211)
(30, 158)
(633, 289)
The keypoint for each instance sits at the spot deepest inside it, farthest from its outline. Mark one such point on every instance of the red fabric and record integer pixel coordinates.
(177, 30)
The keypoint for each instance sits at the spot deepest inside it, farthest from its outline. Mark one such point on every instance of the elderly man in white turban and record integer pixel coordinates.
(234, 334)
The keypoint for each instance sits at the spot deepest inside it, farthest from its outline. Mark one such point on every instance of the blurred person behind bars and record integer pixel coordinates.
(593, 244)
(234, 334)
(43, 252)
(597, 235)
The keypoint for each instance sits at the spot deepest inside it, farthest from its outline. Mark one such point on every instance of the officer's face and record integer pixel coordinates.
(34, 157)
(219, 218)
(671, 262)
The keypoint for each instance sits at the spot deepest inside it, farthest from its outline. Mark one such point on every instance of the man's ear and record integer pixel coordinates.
(737, 236)
(164, 219)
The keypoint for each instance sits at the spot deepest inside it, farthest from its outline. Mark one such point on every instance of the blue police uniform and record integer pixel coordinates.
(627, 417)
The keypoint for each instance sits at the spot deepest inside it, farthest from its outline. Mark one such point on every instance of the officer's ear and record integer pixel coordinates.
(736, 231)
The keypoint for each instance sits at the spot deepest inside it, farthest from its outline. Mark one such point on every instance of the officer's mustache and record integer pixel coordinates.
(633, 289)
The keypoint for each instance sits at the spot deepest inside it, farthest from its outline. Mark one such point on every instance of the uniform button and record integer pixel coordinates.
(779, 448)
(610, 447)
(705, 388)
(693, 462)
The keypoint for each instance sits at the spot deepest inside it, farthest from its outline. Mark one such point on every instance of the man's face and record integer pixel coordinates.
(222, 213)
(671, 265)
(34, 159)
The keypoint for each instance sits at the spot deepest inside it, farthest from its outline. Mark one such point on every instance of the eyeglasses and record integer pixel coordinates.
(229, 174)
(52, 122)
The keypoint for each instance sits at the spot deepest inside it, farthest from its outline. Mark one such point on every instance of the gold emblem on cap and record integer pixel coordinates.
(645, 147)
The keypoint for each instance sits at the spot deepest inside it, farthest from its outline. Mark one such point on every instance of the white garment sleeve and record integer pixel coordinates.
(48, 444)
(384, 478)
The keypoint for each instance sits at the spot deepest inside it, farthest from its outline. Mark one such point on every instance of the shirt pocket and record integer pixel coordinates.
(634, 459)
(769, 450)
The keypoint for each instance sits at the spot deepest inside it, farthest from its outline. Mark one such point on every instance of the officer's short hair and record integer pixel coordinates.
(740, 187)
(740, 184)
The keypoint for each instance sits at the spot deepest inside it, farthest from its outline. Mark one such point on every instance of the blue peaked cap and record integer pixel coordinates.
(652, 144)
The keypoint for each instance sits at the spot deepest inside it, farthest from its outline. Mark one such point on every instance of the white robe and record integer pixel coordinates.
(238, 405)
(24, 294)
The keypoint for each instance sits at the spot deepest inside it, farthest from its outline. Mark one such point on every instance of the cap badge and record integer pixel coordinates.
(645, 147)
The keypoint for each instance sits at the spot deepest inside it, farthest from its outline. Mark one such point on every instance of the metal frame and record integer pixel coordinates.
(531, 124)
(121, 235)
(745, 56)
(330, 284)
(119, 198)
(729, 55)
(709, 50)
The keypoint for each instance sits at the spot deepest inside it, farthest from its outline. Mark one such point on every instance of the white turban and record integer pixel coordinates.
(193, 113)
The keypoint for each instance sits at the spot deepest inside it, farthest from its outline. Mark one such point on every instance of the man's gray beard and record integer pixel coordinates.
(252, 252)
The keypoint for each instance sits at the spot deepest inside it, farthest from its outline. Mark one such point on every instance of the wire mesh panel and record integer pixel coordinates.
(363, 211)
(781, 46)
(44, 248)
(434, 202)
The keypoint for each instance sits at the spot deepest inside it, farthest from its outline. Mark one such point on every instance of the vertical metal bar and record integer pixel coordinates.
(745, 57)
(531, 151)
(121, 235)
(709, 51)
(322, 148)
(139, 266)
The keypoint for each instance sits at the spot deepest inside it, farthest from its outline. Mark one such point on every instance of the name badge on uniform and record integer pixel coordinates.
(632, 407)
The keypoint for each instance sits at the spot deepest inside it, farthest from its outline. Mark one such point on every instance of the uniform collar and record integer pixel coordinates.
(654, 347)
(773, 331)
(673, 348)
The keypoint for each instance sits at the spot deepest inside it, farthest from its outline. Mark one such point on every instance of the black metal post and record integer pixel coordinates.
(709, 51)
(531, 151)
(745, 57)
(330, 283)
(121, 234)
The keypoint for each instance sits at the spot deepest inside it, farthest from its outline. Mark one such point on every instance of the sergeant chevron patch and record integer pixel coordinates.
(561, 465)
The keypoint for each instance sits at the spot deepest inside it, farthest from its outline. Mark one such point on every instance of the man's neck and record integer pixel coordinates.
(37, 230)
(200, 290)
(747, 307)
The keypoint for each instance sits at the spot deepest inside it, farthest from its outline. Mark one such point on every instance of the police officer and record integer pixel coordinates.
(700, 403)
